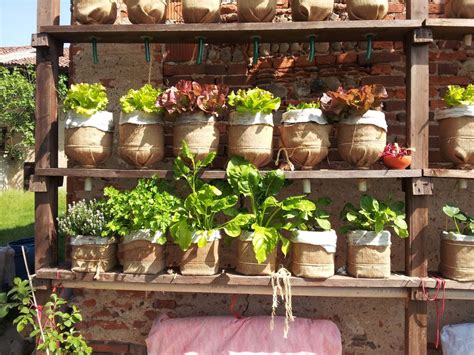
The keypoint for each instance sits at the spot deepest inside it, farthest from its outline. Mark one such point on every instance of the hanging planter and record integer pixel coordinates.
(311, 10)
(247, 261)
(88, 129)
(367, 9)
(199, 11)
(95, 12)
(202, 260)
(459, 8)
(256, 10)
(141, 132)
(304, 135)
(250, 130)
(146, 11)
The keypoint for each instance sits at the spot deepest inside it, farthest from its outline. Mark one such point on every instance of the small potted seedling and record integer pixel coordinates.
(396, 157)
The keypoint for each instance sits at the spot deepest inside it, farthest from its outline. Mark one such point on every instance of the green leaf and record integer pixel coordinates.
(254, 101)
(186, 152)
(243, 176)
(285, 246)
(367, 203)
(143, 99)
(324, 223)
(272, 182)
(233, 228)
(451, 211)
(182, 234)
(86, 99)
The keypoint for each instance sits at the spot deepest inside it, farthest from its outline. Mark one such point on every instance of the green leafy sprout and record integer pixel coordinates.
(254, 101)
(304, 106)
(457, 95)
(143, 100)
(86, 99)
(315, 220)
(464, 223)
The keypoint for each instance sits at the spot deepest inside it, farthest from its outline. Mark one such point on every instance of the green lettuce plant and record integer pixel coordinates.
(204, 206)
(143, 99)
(373, 215)
(304, 106)
(457, 95)
(254, 101)
(86, 217)
(266, 216)
(86, 99)
(464, 224)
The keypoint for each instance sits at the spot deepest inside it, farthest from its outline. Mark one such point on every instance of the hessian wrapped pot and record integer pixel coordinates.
(201, 11)
(146, 11)
(201, 261)
(311, 10)
(246, 260)
(93, 12)
(93, 254)
(367, 9)
(256, 10)
(459, 8)
(457, 256)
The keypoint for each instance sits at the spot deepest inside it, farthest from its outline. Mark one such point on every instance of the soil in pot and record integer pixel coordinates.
(201, 11)
(367, 9)
(456, 136)
(256, 10)
(311, 10)
(93, 255)
(95, 12)
(201, 261)
(457, 257)
(141, 257)
(146, 11)
(247, 263)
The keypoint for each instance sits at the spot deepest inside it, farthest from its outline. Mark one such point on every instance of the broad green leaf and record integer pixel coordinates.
(272, 182)
(451, 211)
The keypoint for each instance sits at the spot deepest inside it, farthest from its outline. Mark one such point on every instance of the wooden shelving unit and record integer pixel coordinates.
(417, 32)
(449, 173)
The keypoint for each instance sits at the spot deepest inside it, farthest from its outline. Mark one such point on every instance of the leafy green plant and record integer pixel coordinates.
(464, 223)
(254, 101)
(149, 206)
(457, 95)
(87, 218)
(304, 106)
(86, 99)
(375, 216)
(143, 99)
(60, 336)
(266, 216)
(203, 206)
(314, 220)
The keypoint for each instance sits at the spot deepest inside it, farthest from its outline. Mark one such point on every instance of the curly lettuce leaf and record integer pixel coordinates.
(143, 100)
(254, 101)
(304, 106)
(86, 99)
(457, 95)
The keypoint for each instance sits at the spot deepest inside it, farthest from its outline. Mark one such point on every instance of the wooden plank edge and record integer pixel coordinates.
(449, 173)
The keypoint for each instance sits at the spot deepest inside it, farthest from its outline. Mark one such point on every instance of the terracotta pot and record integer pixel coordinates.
(146, 11)
(93, 254)
(311, 10)
(457, 257)
(256, 10)
(201, 261)
(397, 163)
(367, 9)
(93, 12)
(141, 257)
(247, 262)
(456, 136)
(201, 11)
(459, 8)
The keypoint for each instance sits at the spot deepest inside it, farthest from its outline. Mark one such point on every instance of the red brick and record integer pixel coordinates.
(138, 324)
(302, 61)
(382, 45)
(283, 62)
(448, 56)
(237, 68)
(436, 9)
(448, 68)
(393, 7)
(89, 303)
(183, 69)
(176, 52)
(325, 59)
(216, 69)
(151, 315)
(114, 348)
(169, 304)
(239, 80)
(381, 57)
(381, 68)
(388, 81)
(108, 324)
(349, 57)
(436, 104)
(449, 80)
(393, 105)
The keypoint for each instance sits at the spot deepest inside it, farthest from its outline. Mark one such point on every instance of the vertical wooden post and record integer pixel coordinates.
(417, 126)
(46, 136)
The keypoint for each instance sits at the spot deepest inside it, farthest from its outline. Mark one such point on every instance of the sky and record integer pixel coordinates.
(18, 21)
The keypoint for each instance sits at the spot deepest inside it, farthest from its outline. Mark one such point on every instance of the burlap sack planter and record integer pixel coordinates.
(368, 254)
(202, 261)
(199, 131)
(311, 10)
(201, 11)
(146, 11)
(367, 9)
(304, 135)
(247, 262)
(457, 256)
(313, 254)
(88, 140)
(93, 254)
(250, 136)
(456, 135)
(459, 8)
(141, 139)
(140, 253)
(256, 10)
(361, 140)
(94, 12)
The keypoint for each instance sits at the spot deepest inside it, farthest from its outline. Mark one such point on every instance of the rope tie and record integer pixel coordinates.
(281, 285)
(287, 157)
(440, 285)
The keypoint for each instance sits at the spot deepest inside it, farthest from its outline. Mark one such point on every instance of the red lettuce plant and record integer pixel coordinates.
(395, 151)
(341, 104)
(190, 96)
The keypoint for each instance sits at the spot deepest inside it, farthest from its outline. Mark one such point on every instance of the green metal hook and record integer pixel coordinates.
(369, 47)
(312, 48)
(200, 50)
(147, 50)
(256, 44)
(95, 57)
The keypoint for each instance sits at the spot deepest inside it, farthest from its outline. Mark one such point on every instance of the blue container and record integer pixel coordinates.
(29, 244)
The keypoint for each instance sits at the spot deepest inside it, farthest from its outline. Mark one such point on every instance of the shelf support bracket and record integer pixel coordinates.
(95, 57)
(312, 48)
(256, 45)
(147, 49)
(370, 38)
(200, 50)
(40, 40)
(422, 36)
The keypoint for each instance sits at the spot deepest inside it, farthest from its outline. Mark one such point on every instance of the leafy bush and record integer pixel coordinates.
(375, 216)
(254, 101)
(143, 99)
(464, 223)
(87, 218)
(86, 99)
(304, 106)
(457, 95)
(315, 220)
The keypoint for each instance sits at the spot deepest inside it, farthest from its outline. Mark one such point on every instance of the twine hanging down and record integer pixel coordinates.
(281, 285)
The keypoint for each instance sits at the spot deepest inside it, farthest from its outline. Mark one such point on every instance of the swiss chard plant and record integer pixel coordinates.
(205, 204)
(86, 218)
(459, 96)
(254, 101)
(375, 216)
(312, 220)
(304, 106)
(464, 224)
(143, 99)
(266, 216)
(86, 99)
(150, 206)
(190, 96)
(342, 104)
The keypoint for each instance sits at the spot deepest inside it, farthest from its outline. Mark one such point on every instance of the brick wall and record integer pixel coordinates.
(118, 322)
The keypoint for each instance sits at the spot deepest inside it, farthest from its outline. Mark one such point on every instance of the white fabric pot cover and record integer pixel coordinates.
(371, 117)
(211, 236)
(249, 119)
(457, 237)
(325, 239)
(457, 339)
(360, 238)
(192, 117)
(143, 234)
(141, 118)
(90, 240)
(304, 116)
(455, 112)
(102, 120)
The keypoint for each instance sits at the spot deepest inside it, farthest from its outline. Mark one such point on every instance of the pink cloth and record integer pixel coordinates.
(228, 335)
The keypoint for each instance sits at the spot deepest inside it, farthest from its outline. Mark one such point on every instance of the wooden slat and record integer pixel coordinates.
(450, 28)
(219, 174)
(236, 32)
(449, 173)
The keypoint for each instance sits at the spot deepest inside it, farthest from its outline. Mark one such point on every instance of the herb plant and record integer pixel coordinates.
(375, 216)
(314, 220)
(254, 101)
(86, 99)
(464, 223)
(143, 99)
(87, 218)
(149, 206)
(457, 95)
(266, 216)
(203, 206)
(304, 106)
(60, 336)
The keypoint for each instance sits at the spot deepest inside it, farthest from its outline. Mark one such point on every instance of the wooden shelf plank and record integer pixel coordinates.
(325, 31)
(449, 173)
(219, 174)
(450, 28)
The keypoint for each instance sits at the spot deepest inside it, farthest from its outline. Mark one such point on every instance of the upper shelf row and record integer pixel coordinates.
(325, 31)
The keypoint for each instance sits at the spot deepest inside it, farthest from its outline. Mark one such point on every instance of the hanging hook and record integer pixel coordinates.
(200, 50)
(369, 47)
(312, 48)
(95, 57)
(147, 49)
(256, 45)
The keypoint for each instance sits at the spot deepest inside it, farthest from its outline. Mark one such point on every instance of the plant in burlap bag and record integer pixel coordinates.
(95, 12)
(146, 11)
(367, 9)
(256, 10)
(201, 11)
(311, 10)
